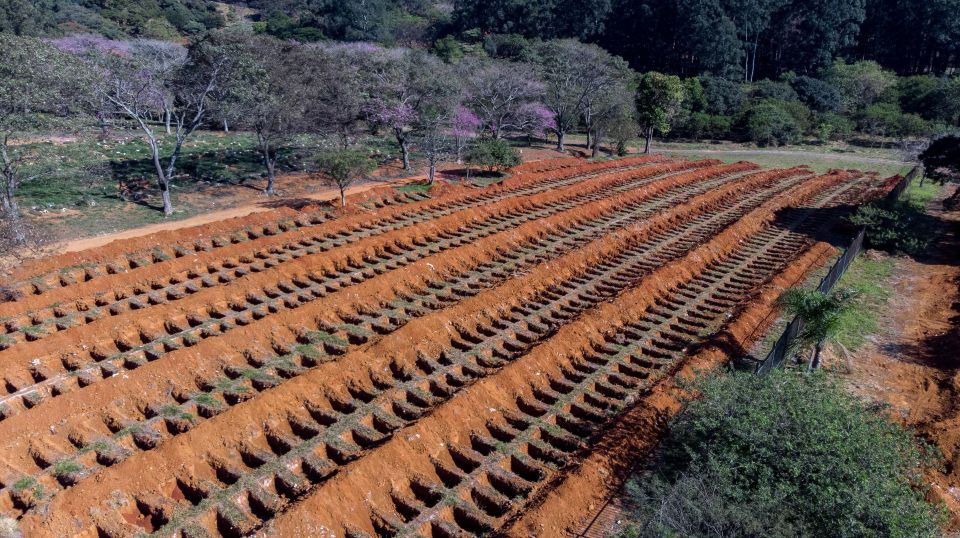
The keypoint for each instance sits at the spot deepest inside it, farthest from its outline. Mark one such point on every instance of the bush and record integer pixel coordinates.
(817, 94)
(770, 124)
(769, 89)
(782, 455)
(831, 126)
(702, 125)
(898, 229)
(722, 97)
(494, 155)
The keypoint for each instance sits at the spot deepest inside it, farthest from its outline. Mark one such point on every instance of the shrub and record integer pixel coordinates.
(832, 126)
(769, 89)
(897, 229)
(817, 94)
(782, 455)
(703, 125)
(494, 155)
(769, 124)
(722, 97)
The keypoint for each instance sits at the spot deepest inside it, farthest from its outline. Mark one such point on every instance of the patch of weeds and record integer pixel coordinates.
(356, 329)
(170, 410)
(323, 336)
(97, 446)
(206, 399)
(254, 374)
(414, 187)
(24, 483)
(309, 351)
(33, 330)
(66, 467)
(129, 430)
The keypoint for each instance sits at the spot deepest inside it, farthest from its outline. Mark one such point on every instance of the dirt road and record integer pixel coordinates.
(913, 364)
(785, 153)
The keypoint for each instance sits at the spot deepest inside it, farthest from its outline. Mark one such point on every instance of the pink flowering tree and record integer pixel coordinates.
(466, 126)
(535, 120)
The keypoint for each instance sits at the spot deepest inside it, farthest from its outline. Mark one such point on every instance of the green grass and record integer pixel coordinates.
(816, 163)
(870, 278)
(417, 187)
(920, 196)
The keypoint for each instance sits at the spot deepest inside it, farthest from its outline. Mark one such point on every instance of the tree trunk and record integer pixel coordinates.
(343, 197)
(596, 145)
(163, 180)
(226, 126)
(560, 141)
(271, 176)
(404, 150)
(166, 119)
(432, 173)
(815, 360)
(649, 142)
(590, 141)
(11, 209)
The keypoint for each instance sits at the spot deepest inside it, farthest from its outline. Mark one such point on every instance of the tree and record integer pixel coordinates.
(330, 86)
(262, 94)
(770, 123)
(439, 119)
(780, 456)
(860, 84)
(548, 19)
(36, 79)
(137, 86)
(941, 161)
(466, 125)
(345, 167)
(658, 101)
(751, 18)
(822, 315)
(575, 75)
(499, 91)
(817, 94)
(400, 81)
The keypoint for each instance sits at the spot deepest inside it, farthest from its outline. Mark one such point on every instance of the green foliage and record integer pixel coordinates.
(901, 228)
(817, 94)
(659, 98)
(861, 84)
(492, 154)
(769, 123)
(832, 126)
(345, 166)
(66, 467)
(942, 159)
(781, 456)
(821, 312)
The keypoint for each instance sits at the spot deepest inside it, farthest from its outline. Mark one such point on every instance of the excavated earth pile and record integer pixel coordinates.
(431, 365)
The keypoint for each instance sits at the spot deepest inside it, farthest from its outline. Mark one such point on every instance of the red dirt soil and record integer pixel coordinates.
(914, 363)
(317, 360)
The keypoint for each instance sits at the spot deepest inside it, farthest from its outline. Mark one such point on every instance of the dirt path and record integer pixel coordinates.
(786, 153)
(913, 364)
(267, 204)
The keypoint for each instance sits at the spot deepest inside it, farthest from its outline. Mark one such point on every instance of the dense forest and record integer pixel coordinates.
(745, 39)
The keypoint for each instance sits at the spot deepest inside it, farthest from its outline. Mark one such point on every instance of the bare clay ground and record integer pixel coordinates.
(913, 365)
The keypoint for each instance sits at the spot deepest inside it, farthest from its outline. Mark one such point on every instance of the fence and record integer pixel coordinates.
(782, 348)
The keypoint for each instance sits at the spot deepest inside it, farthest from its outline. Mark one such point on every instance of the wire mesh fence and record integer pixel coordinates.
(781, 349)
